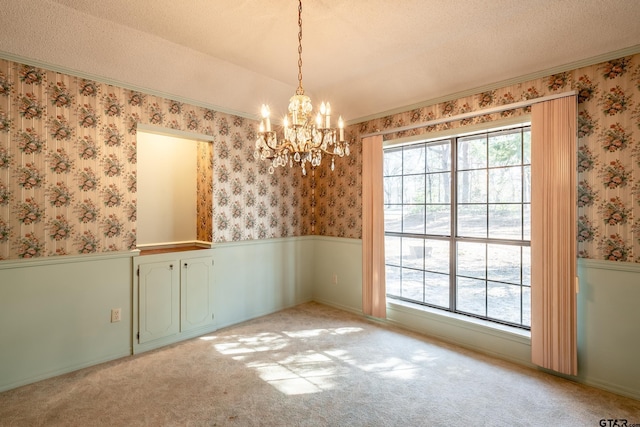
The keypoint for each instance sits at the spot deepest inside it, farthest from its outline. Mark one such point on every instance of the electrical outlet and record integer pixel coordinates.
(334, 278)
(116, 315)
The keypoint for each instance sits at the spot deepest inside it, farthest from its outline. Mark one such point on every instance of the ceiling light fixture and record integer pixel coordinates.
(305, 139)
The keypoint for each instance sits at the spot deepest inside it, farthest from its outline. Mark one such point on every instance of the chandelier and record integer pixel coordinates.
(305, 139)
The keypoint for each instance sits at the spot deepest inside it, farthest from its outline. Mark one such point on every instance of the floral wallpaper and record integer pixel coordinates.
(204, 191)
(608, 154)
(68, 168)
(68, 163)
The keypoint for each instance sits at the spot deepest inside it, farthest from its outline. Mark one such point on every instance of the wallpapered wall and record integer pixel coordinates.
(68, 155)
(608, 154)
(68, 168)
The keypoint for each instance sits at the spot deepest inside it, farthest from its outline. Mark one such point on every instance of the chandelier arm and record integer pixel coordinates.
(281, 147)
(328, 153)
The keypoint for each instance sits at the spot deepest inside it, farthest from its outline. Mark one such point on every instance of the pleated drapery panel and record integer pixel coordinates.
(553, 235)
(373, 270)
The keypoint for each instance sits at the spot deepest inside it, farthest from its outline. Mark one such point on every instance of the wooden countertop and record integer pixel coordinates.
(170, 249)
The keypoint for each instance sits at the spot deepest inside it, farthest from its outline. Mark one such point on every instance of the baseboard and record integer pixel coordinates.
(65, 370)
(607, 386)
(261, 314)
(353, 310)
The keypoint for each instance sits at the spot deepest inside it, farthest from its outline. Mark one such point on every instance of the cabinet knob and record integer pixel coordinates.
(185, 265)
(170, 266)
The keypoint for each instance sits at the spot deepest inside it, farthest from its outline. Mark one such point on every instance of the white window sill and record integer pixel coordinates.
(461, 320)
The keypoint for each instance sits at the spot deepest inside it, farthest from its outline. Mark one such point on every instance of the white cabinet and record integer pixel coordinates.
(173, 298)
(196, 290)
(159, 290)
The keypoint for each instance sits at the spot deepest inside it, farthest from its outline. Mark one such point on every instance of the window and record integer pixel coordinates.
(457, 224)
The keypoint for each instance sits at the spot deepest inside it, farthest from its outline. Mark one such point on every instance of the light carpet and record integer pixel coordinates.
(311, 365)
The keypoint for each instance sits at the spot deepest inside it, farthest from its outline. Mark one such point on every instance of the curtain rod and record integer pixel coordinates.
(471, 114)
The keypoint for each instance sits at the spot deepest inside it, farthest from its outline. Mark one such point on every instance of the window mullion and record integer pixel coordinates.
(486, 245)
(454, 224)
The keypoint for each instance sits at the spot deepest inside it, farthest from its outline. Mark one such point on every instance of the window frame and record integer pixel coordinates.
(453, 237)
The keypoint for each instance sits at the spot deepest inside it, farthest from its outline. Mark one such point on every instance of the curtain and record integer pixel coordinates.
(373, 274)
(553, 235)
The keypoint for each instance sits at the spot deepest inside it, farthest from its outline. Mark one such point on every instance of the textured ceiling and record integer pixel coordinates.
(365, 56)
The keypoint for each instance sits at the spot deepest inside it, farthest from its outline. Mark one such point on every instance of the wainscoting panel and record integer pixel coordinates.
(337, 272)
(609, 326)
(258, 277)
(55, 315)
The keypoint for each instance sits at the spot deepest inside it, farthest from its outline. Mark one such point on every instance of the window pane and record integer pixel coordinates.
(436, 256)
(526, 218)
(505, 148)
(505, 185)
(393, 218)
(393, 280)
(472, 152)
(413, 253)
(438, 157)
(436, 289)
(472, 186)
(472, 220)
(412, 284)
(471, 260)
(504, 265)
(392, 190)
(526, 306)
(471, 296)
(413, 189)
(526, 178)
(526, 265)
(438, 188)
(392, 246)
(526, 146)
(438, 220)
(413, 219)
(505, 221)
(503, 302)
(392, 162)
(414, 160)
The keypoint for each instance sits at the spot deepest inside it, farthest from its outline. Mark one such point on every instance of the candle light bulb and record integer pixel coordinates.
(319, 120)
(341, 126)
(261, 127)
(265, 116)
(328, 116)
(323, 109)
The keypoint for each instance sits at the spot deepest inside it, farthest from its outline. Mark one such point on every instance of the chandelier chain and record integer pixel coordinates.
(300, 90)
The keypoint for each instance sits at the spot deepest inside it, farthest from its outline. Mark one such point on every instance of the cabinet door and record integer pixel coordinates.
(159, 300)
(197, 292)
